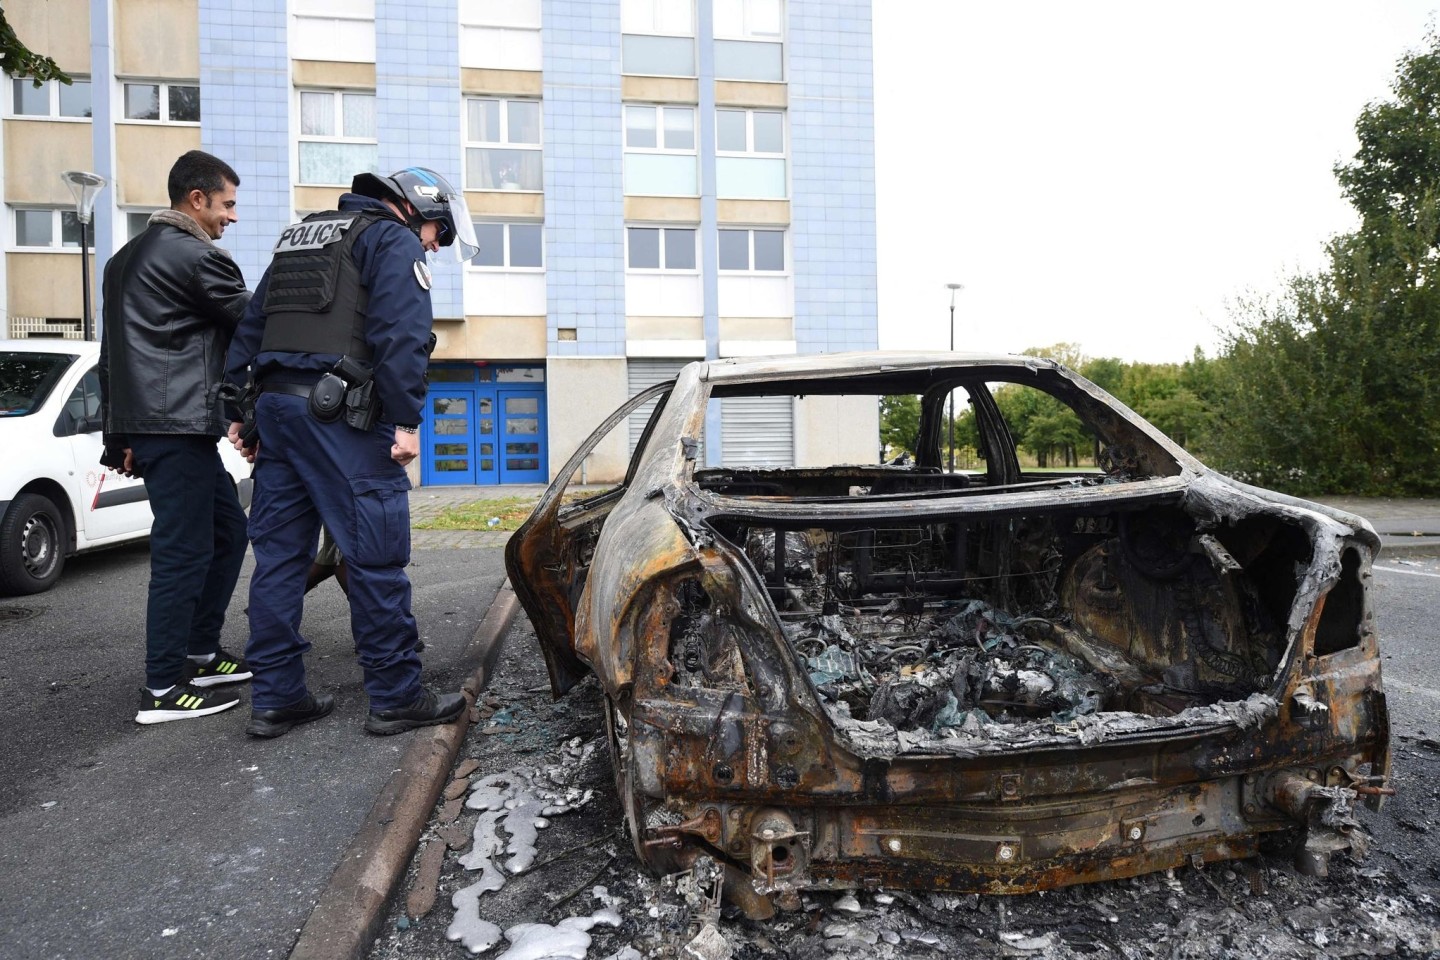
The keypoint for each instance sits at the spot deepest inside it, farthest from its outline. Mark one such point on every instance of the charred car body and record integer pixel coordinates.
(1006, 680)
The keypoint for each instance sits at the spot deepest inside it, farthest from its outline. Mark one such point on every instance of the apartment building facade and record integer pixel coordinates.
(653, 182)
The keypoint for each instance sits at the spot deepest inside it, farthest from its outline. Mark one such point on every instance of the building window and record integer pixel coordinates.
(513, 246)
(162, 102)
(135, 224)
(42, 228)
(660, 155)
(51, 99)
(752, 251)
(332, 30)
(500, 34)
(502, 145)
(657, 37)
(337, 136)
(748, 36)
(660, 248)
(750, 154)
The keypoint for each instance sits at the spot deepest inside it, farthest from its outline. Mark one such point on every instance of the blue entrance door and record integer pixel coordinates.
(522, 435)
(458, 439)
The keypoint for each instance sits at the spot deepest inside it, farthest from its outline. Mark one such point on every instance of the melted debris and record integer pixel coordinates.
(1234, 911)
(970, 680)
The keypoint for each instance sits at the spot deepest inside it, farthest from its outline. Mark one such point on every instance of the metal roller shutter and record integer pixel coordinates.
(758, 431)
(643, 374)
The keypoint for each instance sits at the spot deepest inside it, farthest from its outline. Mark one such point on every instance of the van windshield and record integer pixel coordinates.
(26, 379)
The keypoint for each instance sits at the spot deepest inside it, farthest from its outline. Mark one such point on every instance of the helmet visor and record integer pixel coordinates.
(457, 230)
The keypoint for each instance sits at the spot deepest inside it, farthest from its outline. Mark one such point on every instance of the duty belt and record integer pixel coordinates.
(291, 389)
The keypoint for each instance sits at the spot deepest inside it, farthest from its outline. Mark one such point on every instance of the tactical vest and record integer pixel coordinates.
(315, 301)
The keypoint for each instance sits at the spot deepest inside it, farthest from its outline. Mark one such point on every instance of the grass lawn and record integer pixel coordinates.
(511, 512)
(476, 515)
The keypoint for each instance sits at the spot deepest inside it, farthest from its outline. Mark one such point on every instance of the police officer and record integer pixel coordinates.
(334, 346)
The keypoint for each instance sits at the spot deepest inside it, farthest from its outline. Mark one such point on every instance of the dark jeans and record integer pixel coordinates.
(196, 548)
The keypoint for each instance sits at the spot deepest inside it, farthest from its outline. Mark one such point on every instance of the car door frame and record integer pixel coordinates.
(544, 544)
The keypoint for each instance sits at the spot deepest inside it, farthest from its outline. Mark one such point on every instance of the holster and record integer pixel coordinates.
(362, 405)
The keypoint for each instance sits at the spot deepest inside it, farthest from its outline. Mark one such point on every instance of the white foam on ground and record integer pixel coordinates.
(567, 940)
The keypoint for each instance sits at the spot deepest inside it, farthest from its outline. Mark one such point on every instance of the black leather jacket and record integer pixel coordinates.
(172, 301)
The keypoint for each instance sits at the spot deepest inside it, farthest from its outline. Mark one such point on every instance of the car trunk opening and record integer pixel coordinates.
(977, 632)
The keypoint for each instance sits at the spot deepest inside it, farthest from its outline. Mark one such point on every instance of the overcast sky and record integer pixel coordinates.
(1112, 173)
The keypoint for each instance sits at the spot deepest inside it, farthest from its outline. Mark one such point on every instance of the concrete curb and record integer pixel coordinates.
(347, 918)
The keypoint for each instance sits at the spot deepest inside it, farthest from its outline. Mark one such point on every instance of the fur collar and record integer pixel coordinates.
(174, 218)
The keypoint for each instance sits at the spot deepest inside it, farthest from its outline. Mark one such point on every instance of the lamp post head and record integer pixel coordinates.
(85, 186)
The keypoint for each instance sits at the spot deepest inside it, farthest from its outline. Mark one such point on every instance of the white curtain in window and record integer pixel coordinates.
(317, 115)
(359, 111)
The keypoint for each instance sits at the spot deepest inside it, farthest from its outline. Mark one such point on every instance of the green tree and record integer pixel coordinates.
(899, 424)
(18, 60)
(1334, 385)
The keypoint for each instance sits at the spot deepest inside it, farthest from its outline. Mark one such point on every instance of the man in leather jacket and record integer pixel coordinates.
(172, 301)
(347, 297)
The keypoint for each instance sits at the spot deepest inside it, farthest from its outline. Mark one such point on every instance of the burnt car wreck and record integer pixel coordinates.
(1017, 678)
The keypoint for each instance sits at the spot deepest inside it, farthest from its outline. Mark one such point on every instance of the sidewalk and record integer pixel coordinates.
(1406, 526)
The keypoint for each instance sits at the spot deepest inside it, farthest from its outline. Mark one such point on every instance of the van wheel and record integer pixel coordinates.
(32, 545)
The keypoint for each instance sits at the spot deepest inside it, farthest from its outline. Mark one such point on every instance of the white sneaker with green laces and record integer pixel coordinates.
(225, 668)
(184, 701)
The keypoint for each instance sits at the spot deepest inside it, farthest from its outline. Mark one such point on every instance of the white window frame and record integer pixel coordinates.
(347, 26)
(338, 114)
(164, 95)
(125, 214)
(694, 230)
(56, 245)
(748, 34)
(660, 149)
(747, 30)
(505, 143)
(750, 153)
(659, 111)
(750, 270)
(506, 267)
(750, 150)
(633, 24)
(631, 10)
(52, 91)
(476, 22)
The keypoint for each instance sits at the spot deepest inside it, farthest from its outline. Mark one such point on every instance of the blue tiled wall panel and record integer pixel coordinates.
(418, 112)
(584, 202)
(245, 111)
(832, 130)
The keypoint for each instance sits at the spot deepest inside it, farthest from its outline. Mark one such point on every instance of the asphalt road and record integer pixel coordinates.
(185, 839)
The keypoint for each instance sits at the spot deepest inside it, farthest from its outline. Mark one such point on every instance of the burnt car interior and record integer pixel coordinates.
(941, 626)
(1071, 585)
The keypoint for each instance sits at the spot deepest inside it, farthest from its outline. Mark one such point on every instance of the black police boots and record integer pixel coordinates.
(427, 709)
(272, 723)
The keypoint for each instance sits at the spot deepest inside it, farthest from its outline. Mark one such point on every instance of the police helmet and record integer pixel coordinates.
(432, 197)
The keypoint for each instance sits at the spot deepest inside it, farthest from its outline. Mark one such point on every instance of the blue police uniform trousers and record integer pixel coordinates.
(308, 472)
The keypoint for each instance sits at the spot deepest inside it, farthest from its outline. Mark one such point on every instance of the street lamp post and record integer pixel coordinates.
(84, 186)
(952, 287)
